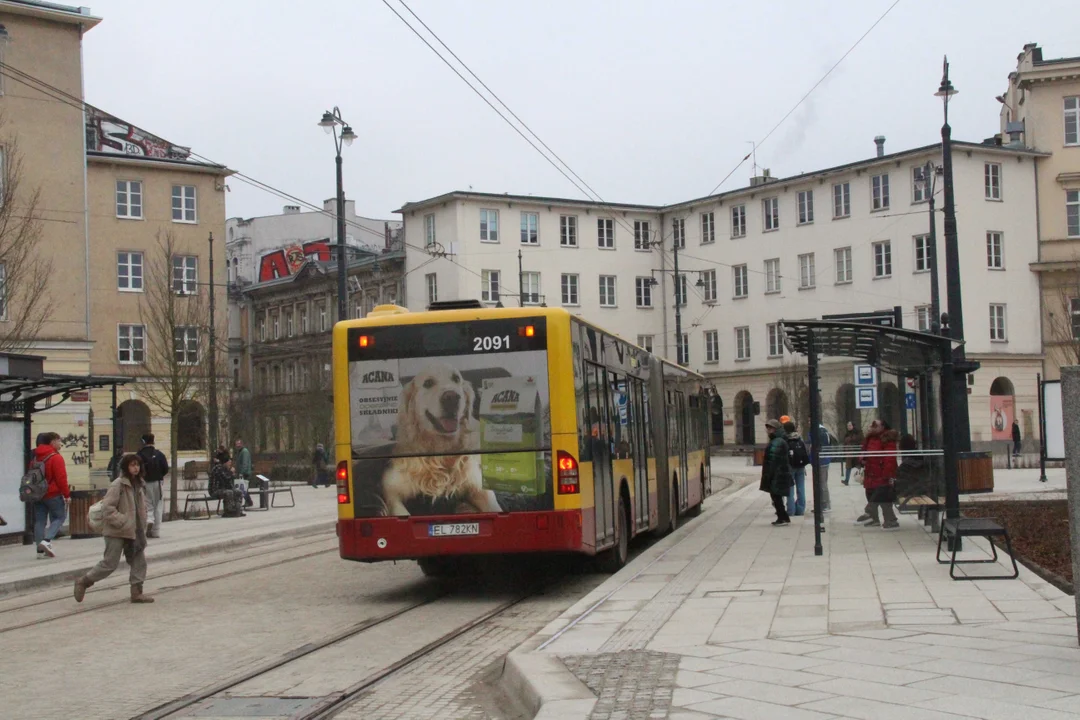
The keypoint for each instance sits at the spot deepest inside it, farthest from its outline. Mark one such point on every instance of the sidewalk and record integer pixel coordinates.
(315, 511)
(731, 617)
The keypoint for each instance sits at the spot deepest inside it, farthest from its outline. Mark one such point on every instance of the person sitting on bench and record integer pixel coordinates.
(222, 486)
(913, 474)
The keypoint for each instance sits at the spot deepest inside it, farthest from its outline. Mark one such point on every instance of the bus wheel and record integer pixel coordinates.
(436, 567)
(674, 506)
(614, 559)
(696, 510)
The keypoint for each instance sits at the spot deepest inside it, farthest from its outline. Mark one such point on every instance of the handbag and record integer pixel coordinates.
(95, 516)
(857, 475)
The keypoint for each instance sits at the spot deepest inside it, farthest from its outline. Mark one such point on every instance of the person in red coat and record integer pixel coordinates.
(51, 511)
(879, 471)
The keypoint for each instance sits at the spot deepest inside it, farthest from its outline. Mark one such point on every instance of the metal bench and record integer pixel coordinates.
(272, 493)
(926, 507)
(205, 500)
(956, 528)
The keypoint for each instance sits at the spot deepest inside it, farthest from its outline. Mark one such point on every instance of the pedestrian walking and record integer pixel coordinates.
(123, 518)
(113, 467)
(852, 439)
(879, 470)
(222, 486)
(242, 469)
(51, 510)
(820, 442)
(776, 476)
(321, 463)
(798, 460)
(155, 467)
(1016, 438)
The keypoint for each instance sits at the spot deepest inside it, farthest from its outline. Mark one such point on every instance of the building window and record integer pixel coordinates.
(185, 274)
(806, 207)
(569, 284)
(920, 189)
(709, 279)
(183, 203)
(290, 376)
(997, 323)
(772, 275)
(1072, 212)
(883, 259)
(770, 208)
(682, 350)
(301, 311)
(643, 291)
(432, 283)
(992, 180)
(742, 343)
(678, 233)
(1072, 120)
(776, 340)
(680, 290)
(879, 190)
(605, 233)
(186, 345)
(429, 230)
(922, 253)
(131, 345)
(290, 328)
(568, 230)
(489, 225)
(1074, 311)
(841, 195)
(129, 271)
(530, 288)
(842, 261)
(275, 325)
(324, 317)
(642, 239)
(922, 316)
(708, 228)
(358, 309)
(740, 282)
(260, 328)
(489, 285)
(712, 346)
(995, 251)
(738, 221)
(530, 228)
(645, 342)
(128, 199)
(807, 273)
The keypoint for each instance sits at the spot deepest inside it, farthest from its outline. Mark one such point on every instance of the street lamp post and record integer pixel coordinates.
(929, 186)
(331, 122)
(212, 373)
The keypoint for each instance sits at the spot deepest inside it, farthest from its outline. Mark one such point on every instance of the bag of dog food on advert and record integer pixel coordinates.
(509, 421)
(374, 387)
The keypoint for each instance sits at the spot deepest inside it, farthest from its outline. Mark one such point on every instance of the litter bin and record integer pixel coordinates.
(975, 471)
(759, 456)
(264, 497)
(78, 512)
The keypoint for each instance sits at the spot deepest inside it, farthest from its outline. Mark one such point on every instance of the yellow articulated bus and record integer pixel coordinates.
(466, 430)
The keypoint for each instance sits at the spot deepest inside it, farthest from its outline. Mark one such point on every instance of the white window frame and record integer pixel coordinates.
(132, 281)
(643, 292)
(642, 236)
(995, 250)
(922, 253)
(879, 192)
(776, 340)
(431, 282)
(807, 271)
(842, 262)
(770, 212)
(882, 251)
(1074, 312)
(490, 286)
(708, 277)
(712, 346)
(645, 342)
(275, 324)
(992, 181)
(773, 282)
(126, 209)
(738, 221)
(302, 319)
(489, 225)
(841, 200)
(429, 230)
(181, 212)
(186, 345)
(678, 233)
(999, 331)
(920, 190)
(570, 289)
(568, 235)
(290, 323)
(1071, 116)
(530, 228)
(185, 274)
(682, 350)
(260, 327)
(742, 343)
(708, 228)
(922, 318)
(605, 233)
(324, 316)
(1072, 213)
(134, 336)
(530, 287)
(740, 281)
(681, 289)
(806, 207)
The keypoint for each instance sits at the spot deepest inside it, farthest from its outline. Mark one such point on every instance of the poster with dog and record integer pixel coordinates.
(451, 434)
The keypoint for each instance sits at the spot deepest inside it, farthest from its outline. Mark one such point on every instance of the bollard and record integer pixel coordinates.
(1070, 411)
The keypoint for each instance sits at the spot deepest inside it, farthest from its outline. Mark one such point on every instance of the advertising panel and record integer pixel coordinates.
(1002, 412)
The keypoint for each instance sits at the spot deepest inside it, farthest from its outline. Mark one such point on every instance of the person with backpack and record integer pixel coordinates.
(775, 471)
(123, 523)
(46, 486)
(155, 466)
(798, 459)
(322, 467)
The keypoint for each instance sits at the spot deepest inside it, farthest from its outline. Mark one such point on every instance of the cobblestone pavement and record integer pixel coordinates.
(628, 684)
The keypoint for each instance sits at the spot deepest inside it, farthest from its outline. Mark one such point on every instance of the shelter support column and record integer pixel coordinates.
(1070, 412)
(28, 455)
(948, 436)
(814, 379)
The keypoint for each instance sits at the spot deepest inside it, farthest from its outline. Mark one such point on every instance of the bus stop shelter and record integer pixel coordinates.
(893, 350)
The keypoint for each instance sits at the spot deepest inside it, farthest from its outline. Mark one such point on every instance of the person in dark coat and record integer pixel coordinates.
(913, 474)
(322, 463)
(223, 486)
(776, 476)
(1016, 438)
(852, 439)
(155, 467)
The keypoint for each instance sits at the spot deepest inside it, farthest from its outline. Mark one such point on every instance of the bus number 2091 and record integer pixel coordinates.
(490, 343)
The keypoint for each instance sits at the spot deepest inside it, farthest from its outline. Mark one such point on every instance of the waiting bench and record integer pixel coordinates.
(953, 529)
(272, 493)
(927, 508)
(205, 500)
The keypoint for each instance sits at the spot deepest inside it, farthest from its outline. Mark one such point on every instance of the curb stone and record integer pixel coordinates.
(544, 686)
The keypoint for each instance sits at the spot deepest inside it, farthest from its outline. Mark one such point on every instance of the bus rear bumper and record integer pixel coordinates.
(402, 538)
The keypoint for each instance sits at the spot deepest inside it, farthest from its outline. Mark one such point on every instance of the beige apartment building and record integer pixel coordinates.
(1041, 110)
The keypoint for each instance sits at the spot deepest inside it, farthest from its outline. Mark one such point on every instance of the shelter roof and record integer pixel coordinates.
(891, 349)
(21, 389)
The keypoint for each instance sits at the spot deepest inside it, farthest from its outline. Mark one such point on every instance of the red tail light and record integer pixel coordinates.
(568, 474)
(343, 482)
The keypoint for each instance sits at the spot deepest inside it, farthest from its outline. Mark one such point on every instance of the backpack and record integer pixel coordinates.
(95, 516)
(798, 457)
(34, 484)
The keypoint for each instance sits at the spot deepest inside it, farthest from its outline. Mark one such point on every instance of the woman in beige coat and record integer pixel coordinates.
(124, 527)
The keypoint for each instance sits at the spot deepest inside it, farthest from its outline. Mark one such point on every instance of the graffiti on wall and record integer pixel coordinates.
(108, 134)
(286, 261)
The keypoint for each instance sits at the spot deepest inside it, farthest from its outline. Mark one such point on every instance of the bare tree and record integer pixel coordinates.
(24, 269)
(793, 380)
(174, 314)
(1063, 315)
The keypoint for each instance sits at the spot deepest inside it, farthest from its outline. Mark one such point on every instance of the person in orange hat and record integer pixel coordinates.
(785, 419)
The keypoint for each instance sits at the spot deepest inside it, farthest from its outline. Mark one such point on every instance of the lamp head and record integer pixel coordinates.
(327, 122)
(347, 135)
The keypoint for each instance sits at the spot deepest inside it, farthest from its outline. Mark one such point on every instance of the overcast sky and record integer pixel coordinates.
(650, 102)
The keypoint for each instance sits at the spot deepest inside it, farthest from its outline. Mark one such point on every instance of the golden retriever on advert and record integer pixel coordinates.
(435, 417)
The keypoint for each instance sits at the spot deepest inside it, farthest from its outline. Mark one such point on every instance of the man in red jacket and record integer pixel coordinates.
(51, 511)
(879, 470)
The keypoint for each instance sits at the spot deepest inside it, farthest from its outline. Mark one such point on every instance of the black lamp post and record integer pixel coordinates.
(331, 122)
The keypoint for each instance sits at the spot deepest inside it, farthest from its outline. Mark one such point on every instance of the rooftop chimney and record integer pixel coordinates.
(880, 142)
(291, 209)
(763, 178)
